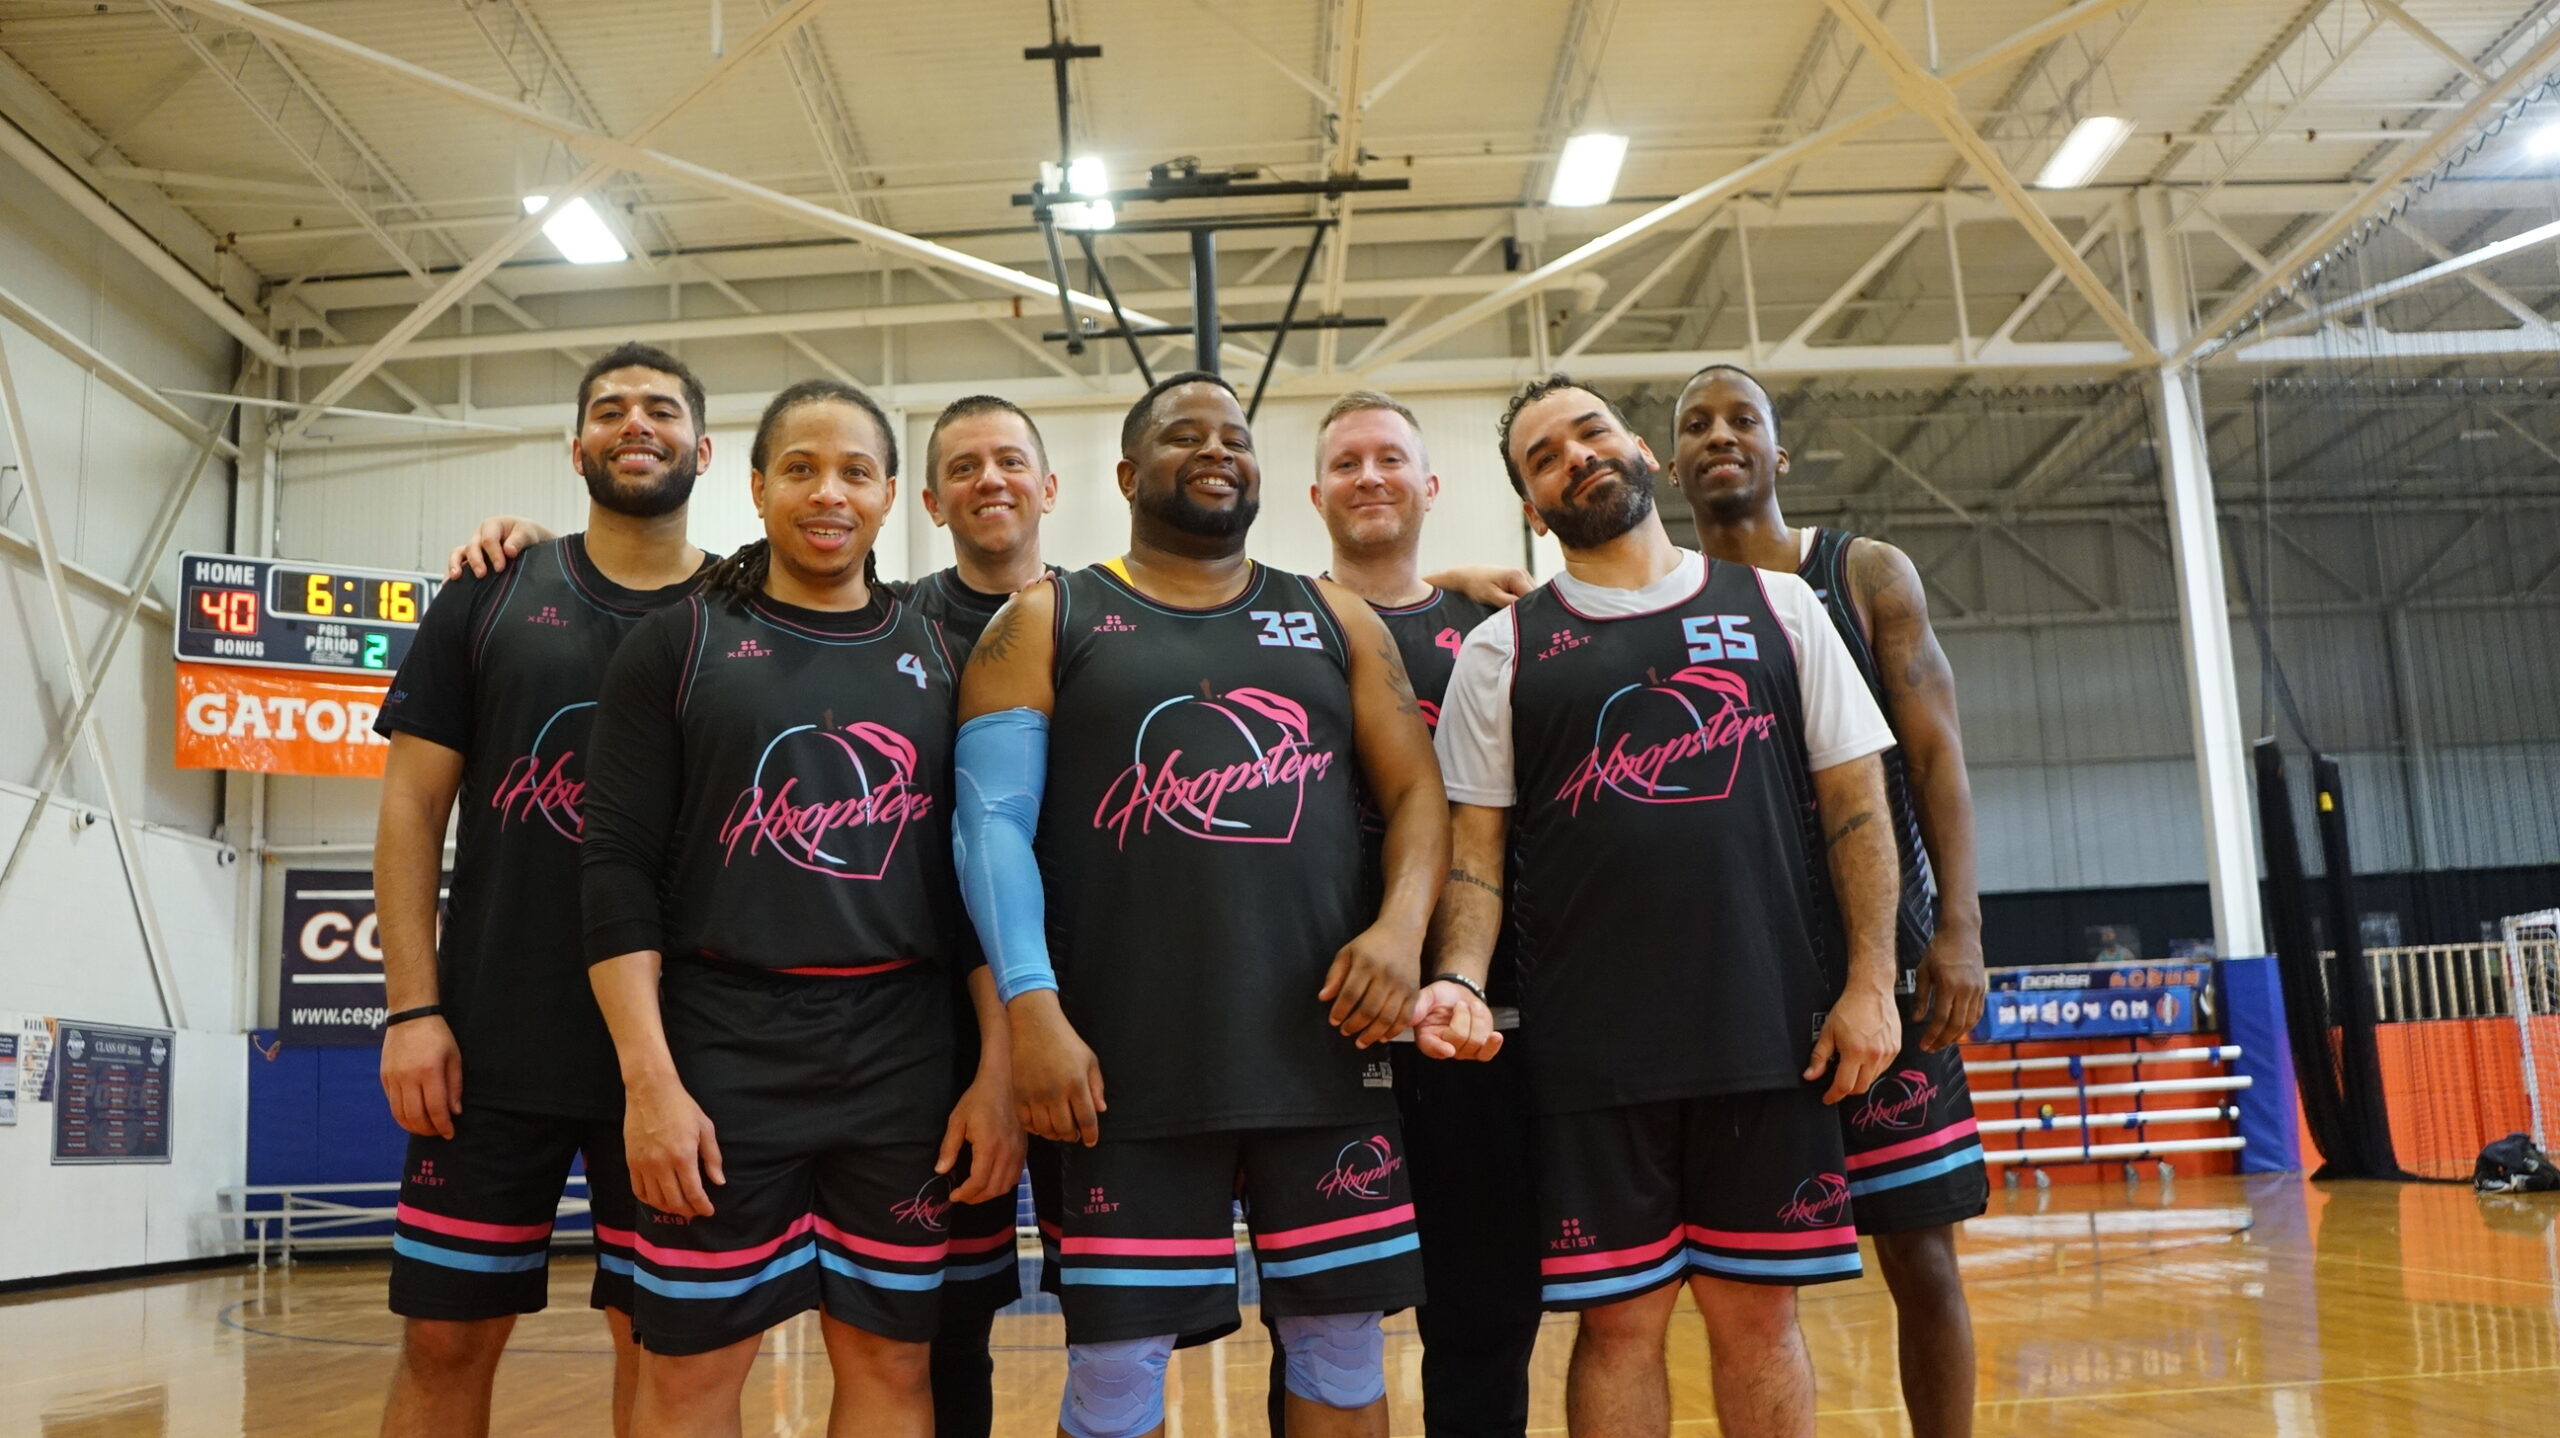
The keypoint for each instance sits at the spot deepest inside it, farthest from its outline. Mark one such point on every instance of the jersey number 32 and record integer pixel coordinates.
(1295, 629)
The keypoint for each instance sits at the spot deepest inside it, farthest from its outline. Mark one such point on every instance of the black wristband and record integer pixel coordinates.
(1462, 981)
(422, 1011)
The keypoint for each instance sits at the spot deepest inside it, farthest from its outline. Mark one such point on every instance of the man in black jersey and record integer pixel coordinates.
(1178, 729)
(1915, 1165)
(1654, 751)
(1466, 1125)
(494, 705)
(772, 925)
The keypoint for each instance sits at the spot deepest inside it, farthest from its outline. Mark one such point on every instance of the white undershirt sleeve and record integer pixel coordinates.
(1841, 719)
(1474, 737)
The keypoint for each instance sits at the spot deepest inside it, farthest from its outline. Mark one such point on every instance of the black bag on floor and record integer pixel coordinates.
(2514, 1164)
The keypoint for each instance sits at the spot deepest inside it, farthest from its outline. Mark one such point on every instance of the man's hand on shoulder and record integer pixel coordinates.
(1495, 584)
(499, 538)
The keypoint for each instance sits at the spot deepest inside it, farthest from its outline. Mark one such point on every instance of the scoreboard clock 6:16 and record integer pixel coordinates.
(237, 609)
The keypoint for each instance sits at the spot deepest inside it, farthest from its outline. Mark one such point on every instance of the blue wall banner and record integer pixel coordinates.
(2012, 1017)
(329, 990)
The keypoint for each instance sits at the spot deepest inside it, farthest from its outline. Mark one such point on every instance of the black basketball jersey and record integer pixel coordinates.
(1826, 568)
(772, 789)
(1200, 845)
(505, 670)
(962, 611)
(1666, 886)
(1428, 636)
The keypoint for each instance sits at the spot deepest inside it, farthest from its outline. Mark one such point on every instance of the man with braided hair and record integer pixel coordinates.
(771, 922)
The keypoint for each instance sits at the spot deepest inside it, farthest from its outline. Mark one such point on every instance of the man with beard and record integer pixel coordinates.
(1466, 1125)
(1664, 748)
(1915, 1165)
(493, 704)
(1155, 776)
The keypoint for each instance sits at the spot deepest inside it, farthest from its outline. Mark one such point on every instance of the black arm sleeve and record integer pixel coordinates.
(432, 696)
(635, 778)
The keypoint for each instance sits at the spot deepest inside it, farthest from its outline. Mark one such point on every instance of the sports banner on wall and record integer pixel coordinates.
(2076, 1001)
(276, 721)
(330, 988)
(111, 1093)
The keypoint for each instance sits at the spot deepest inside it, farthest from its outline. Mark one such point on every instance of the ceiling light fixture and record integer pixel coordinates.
(2084, 152)
(578, 232)
(1086, 177)
(1587, 171)
(2544, 142)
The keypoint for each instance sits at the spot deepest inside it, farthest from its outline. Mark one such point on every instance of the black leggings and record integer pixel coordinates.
(964, 1376)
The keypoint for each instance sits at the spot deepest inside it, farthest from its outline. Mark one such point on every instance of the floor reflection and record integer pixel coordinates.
(2265, 1305)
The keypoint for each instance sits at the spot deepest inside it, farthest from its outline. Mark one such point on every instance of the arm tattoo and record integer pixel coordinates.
(1851, 825)
(1397, 680)
(996, 645)
(1461, 876)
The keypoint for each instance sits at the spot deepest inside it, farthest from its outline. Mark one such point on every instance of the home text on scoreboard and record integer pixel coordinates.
(287, 614)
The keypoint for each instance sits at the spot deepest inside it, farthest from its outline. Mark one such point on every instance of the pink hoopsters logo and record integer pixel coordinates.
(1231, 767)
(832, 801)
(1898, 1101)
(1361, 1169)
(927, 1209)
(1675, 742)
(542, 782)
(1820, 1202)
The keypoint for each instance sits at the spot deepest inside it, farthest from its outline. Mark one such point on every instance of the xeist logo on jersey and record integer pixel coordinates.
(1677, 740)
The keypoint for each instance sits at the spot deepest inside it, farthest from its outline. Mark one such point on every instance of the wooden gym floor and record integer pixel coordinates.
(2222, 1306)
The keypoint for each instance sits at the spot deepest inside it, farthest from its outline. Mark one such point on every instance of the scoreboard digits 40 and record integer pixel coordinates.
(280, 614)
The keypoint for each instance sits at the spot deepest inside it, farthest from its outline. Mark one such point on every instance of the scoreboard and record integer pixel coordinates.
(285, 614)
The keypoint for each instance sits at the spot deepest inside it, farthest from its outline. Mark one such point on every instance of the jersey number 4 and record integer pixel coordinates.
(1295, 629)
(1719, 636)
(912, 667)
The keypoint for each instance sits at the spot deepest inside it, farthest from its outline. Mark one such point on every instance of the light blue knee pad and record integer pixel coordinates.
(1115, 1390)
(1336, 1359)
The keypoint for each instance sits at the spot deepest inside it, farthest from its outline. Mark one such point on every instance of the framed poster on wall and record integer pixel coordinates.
(111, 1093)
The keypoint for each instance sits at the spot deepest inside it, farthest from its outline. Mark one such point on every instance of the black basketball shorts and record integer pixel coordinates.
(1746, 1186)
(1146, 1228)
(473, 1235)
(827, 1097)
(1914, 1159)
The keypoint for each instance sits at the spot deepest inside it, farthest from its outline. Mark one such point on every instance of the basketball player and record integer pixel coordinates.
(1653, 738)
(990, 484)
(770, 916)
(1178, 728)
(1466, 1125)
(493, 705)
(1915, 1166)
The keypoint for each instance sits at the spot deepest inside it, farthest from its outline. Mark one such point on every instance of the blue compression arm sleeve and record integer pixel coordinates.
(1002, 763)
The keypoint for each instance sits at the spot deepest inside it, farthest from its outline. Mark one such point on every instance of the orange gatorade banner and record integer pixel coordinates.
(277, 721)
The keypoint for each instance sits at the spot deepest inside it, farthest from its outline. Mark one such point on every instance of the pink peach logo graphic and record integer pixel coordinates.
(1362, 1169)
(832, 801)
(1675, 741)
(926, 1210)
(1820, 1202)
(1898, 1101)
(547, 781)
(1232, 768)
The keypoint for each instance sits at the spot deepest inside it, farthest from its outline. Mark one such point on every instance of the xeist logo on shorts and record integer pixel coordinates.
(1232, 768)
